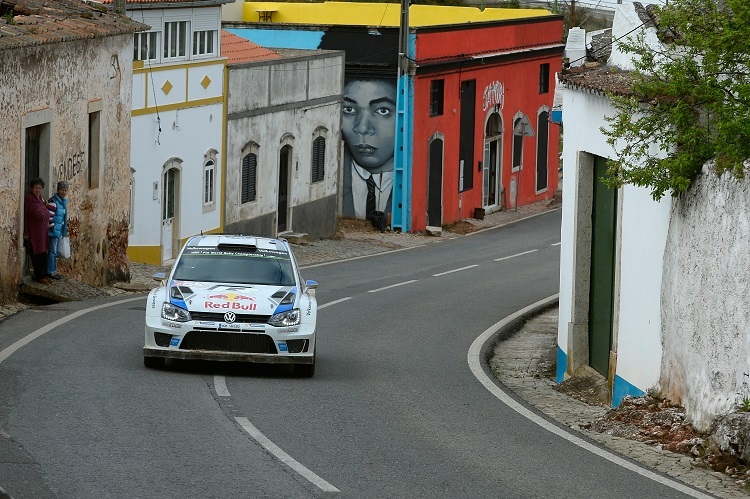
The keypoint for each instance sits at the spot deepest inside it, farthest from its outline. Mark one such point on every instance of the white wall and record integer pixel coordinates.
(705, 296)
(642, 229)
(186, 134)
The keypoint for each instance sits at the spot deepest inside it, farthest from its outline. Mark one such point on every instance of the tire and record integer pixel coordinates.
(305, 370)
(153, 362)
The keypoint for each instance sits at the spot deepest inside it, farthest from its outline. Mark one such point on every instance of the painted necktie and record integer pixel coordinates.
(370, 206)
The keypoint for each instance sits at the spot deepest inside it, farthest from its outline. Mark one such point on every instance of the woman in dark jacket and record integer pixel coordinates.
(58, 227)
(36, 215)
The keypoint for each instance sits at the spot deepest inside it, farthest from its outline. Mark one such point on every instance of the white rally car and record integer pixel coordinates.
(234, 298)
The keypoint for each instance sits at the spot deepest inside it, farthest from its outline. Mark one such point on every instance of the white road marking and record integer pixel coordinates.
(359, 257)
(517, 254)
(8, 351)
(454, 270)
(556, 244)
(220, 384)
(283, 456)
(334, 302)
(392, 286)
(476, 369)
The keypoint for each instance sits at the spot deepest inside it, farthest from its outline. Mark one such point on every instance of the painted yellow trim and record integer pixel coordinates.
(145, 254)
(224, 153)
(185, 65)
(380, 14)
(137, 64)
(178, 105)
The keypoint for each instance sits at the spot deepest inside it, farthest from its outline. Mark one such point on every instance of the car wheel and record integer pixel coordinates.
(305, 370)
(153, 362)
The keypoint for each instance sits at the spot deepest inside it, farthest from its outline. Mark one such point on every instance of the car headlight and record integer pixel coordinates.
(288, 318)
(174, 313)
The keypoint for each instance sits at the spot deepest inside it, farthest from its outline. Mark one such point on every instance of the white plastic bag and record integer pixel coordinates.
(64, 249)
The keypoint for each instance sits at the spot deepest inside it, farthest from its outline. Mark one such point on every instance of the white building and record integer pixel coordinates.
(177, 154)
(283, 139)
(652, 294)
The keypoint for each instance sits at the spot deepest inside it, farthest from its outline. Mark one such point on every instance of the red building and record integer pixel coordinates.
(482, 138)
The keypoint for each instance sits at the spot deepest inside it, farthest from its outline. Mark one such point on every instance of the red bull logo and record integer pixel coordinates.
(231, 305)
(230, 297)
(232, 301)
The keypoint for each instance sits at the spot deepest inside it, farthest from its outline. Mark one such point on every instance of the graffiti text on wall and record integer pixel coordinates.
(494, 95)
(71, 166)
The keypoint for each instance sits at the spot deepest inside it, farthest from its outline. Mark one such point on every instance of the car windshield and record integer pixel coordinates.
(272, 268)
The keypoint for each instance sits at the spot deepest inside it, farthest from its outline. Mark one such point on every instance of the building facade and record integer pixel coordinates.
(489, 70)
(65, 88)
(178, 111)
(283, 147)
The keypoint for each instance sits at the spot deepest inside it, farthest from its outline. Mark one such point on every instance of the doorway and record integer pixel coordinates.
(435, 184)
(170, 236)
(602, 273)
(491, 171)
(542, 151)
(285, 157)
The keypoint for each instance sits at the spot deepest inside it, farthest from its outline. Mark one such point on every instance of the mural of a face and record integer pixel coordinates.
(369, 123)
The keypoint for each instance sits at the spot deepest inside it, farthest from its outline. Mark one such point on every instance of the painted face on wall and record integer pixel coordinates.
(369, 123)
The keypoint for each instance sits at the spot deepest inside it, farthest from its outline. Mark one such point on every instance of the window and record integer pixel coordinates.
(544, 78)
(517, 143)
(204, 43)
(318, 158)
(144, 46)
(436, 97)
(209, 178)
(249, 172)
(175, 39)
(94, 141)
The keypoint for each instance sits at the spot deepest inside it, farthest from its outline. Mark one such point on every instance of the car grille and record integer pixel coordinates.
(228, 342)
(219, 317)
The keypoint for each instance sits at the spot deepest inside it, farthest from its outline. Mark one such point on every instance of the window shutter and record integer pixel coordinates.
(206, 19)
(318, 159)
(249, 167)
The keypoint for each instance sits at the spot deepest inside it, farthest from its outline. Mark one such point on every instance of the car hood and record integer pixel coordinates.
(221, 298)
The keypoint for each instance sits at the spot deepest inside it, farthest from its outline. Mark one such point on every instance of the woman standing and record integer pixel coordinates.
(58, 228)
(36, 215)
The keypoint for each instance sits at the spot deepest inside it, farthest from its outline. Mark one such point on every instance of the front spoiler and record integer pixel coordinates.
(260, 358)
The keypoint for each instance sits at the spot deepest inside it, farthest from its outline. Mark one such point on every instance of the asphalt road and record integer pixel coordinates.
(393, 410)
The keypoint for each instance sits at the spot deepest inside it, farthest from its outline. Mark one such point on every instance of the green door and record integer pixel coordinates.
(601, 299)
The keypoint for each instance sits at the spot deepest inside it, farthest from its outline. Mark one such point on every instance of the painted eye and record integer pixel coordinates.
(348, 110)
(383, 111)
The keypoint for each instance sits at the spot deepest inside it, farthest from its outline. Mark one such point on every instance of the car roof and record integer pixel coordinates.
(237, 241)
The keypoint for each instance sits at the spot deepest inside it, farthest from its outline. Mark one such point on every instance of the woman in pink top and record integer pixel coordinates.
(36, 216)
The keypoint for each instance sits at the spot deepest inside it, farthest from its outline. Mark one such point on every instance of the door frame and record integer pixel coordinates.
(176, 165)
(497, 142)
(437, 136)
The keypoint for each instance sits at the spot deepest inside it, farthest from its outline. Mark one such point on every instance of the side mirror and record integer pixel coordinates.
(311, 284)
(159, 276)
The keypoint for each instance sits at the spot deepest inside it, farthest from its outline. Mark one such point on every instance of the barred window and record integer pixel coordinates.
(318, 159)
(249, 174)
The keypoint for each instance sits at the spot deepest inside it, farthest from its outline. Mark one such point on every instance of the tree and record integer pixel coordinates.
(690, 99)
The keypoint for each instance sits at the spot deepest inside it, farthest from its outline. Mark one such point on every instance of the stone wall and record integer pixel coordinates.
(705, 297)
(59, 85)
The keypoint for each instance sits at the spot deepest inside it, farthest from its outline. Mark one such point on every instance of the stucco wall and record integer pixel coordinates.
(642, 225)
(59, 84)
(705, 293)
(278, 103)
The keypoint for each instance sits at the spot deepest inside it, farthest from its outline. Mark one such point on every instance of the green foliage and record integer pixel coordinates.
(690, 102)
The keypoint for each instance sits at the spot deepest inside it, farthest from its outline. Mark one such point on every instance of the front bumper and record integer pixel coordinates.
(258, 343)
(259, 358)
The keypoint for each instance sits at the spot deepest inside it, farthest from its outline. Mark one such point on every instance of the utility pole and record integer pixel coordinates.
(573, 13)
(401, 197)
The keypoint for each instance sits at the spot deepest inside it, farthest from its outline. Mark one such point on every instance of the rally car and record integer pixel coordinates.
(233, 298)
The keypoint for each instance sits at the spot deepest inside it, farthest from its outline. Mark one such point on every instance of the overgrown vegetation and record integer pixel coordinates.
(690, 100)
